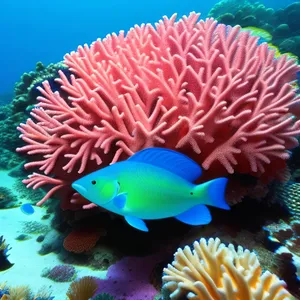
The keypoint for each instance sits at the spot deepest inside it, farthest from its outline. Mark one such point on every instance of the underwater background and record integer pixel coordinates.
(45, 31)
(158, 163)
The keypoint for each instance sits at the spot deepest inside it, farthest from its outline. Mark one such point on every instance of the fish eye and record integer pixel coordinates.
(93, 181)
(192, 193)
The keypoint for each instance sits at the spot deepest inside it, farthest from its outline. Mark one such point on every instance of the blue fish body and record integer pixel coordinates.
(155, 183)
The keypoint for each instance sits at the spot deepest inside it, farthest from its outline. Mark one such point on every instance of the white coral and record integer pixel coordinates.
(213, 271)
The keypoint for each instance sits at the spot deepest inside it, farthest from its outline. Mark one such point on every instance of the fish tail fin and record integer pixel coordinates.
(213, 192)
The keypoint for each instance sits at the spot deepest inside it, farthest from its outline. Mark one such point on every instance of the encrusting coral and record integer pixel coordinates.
(7, 198)
(243, 13)
(60, 273)
(283, 238)
(17, 110)
(282, 24)
(289, 195)
(82, 239)
(216, 272)
(130, 276)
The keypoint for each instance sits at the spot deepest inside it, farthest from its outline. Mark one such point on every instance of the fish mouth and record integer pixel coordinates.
(79, 188)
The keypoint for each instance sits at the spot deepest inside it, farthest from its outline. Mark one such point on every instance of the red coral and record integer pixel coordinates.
(82, 240)
(205, 89)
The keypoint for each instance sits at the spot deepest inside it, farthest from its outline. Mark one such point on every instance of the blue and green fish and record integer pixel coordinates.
(154, 183)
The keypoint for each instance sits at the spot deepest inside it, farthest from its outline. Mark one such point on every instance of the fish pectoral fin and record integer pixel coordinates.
(197, 215)
(136, 223)
(120, 200)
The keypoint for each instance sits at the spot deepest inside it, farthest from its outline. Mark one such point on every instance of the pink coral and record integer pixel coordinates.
(205, 89)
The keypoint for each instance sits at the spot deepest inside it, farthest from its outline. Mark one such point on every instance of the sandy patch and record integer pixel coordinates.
(28, 264)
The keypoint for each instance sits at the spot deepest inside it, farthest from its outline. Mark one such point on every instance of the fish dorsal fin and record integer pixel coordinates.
(169, 160)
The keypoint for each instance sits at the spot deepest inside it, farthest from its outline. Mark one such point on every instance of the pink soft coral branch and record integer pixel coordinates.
(37, 180)
(187, 85)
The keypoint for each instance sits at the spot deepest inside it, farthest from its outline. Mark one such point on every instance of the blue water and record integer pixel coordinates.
(44, 30)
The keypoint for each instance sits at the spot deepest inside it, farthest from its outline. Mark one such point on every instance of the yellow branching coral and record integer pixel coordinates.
(18, 293)
(213, 271)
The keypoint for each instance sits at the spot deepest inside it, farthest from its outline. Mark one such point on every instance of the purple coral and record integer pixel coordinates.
(60, 273)
(129, 279)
